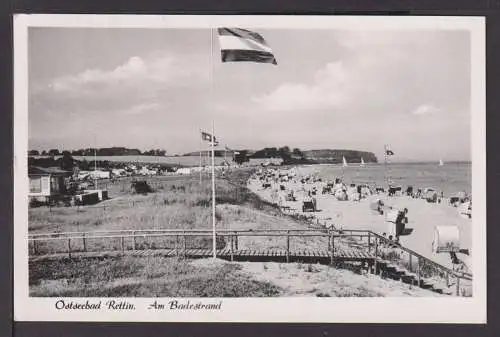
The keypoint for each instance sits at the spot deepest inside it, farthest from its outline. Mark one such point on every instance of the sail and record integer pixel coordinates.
(344, 162)
(441, 162)
(362, 162)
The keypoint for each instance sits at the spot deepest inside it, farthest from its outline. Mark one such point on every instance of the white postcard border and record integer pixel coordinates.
(302, 309)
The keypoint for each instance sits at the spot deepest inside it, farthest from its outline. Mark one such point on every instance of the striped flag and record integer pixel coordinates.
(243, 45)
(388, 151)
(208, 137)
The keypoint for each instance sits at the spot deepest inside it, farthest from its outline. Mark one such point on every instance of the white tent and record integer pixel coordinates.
(446, 239)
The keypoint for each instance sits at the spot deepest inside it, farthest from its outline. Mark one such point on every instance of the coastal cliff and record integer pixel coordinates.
(297, 156)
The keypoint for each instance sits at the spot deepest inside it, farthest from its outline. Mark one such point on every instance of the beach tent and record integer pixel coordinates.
(377, 205)
(392, 215)
(183, 170)
(430, 195)
(446, 239)
(119, 172)
(100, 174)
(340, 195)
(396, 228)
(355, 197)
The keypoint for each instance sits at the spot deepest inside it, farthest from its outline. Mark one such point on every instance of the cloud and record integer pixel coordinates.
(141, 108)
(138, 86)
(136, 71)
(325, 91)
(425, 109)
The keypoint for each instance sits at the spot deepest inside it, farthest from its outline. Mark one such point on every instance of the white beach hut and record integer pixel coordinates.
(446, 239)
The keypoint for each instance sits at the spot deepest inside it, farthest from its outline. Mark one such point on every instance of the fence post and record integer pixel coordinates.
(447, 279)
(184, 244)
(376, 256)
(418, 271)
(34, 247)
(236, 242)
(84, 243)
(69, 248)
(369, 242)
(135, 241)
(231, 244)
(122, 243)
(287, 246)
(332, 254)
(410, 259)
(176, 245)
(457, 291)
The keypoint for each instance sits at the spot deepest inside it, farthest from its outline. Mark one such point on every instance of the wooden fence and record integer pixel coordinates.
(364, 246)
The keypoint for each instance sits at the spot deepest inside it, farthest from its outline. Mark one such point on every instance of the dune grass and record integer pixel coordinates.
(180, 203)
(174, 204)
(142, 277)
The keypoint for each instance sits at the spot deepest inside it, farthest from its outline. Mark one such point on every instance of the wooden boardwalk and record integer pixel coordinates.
(359, 246)
(272, 255)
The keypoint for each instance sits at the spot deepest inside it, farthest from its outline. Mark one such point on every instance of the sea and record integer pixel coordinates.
(450, 178)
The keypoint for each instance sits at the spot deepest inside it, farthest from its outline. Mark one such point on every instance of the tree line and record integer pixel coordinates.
(107, 151)
(283, 152)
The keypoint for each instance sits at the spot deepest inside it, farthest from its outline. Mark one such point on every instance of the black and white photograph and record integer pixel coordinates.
(174, 167)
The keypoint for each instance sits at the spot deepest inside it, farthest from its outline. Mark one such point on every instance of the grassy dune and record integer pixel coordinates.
(172, 277)
(175, 204)
(143, 277)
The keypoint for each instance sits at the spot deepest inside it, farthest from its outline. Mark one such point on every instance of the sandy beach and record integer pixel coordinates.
(349, 214)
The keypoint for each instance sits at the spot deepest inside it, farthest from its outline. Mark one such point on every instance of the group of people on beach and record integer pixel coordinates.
(311, 184)
(287, 187)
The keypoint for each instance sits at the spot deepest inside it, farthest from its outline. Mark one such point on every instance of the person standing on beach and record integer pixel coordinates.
(401, 221)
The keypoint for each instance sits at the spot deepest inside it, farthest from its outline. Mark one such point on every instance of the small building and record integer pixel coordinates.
(184, 170)
(46, 182)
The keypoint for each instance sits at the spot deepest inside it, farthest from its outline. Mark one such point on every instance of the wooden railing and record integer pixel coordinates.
(381, 249)
(178, 239)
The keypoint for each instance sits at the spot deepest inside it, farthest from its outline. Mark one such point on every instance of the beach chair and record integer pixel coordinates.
(431, 196)
(308, 206)
(409, 191)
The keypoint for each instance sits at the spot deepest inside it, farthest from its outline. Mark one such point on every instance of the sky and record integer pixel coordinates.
(339, 89)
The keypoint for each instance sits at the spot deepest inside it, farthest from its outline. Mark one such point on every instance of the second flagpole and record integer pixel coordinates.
(214, 236)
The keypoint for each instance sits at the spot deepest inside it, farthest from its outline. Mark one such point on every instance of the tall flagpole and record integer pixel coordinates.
(201, 146)
(385, 164)
(95, 164)
(214, 237)
(213, 193)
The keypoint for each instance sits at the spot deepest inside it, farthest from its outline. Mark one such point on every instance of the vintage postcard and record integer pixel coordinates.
(250, 168)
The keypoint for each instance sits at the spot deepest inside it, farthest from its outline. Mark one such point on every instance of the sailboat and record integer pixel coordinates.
(362, 162)
(441, 162)
(344, 162)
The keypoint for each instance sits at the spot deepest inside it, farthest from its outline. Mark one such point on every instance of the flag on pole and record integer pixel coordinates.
(243, 45)
(208, 137)
(227, 148)
(388, 151)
